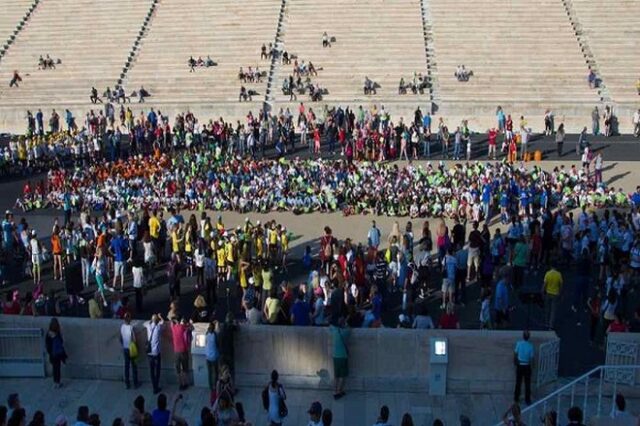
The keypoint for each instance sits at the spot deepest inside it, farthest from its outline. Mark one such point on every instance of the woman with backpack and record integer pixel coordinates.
(273, 400)
(55, 348)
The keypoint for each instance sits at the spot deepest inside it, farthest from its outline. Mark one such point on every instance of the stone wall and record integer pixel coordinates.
(380, 359)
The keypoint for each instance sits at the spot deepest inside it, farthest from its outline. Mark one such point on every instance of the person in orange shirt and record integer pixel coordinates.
(56, 249)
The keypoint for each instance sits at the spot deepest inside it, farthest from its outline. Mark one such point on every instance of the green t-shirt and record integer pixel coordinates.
(340, 336)
(521, 254)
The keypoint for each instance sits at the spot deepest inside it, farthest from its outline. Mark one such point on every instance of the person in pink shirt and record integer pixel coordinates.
(181, 338)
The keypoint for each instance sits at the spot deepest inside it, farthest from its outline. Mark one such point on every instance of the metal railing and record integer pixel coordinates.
(22, 352)
(594, 387)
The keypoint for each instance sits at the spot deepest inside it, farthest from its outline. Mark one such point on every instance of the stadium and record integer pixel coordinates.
(275, 212)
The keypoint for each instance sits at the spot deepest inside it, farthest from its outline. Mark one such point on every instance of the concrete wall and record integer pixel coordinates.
(380, 359)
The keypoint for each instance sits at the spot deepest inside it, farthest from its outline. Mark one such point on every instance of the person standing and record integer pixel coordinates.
(154, 334)
(582, 141)
(560, 134)
(598, 167)
(212, 354)
(551, 289)
(373, 237)
(128, 340)
(55, 348)
(181, 332)
(501, 302)
(340, 334)
(523, 358)
(595, 121)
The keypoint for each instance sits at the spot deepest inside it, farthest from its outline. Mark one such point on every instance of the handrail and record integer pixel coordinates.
(544, 401)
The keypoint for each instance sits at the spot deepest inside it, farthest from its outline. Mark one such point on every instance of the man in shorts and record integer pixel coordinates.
(449, 264)
(340, 335)
(119, 249)
(180, 334)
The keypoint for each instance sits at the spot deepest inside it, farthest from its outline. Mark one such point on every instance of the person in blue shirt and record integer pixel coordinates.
(523, 358)
(300, 311)
(7, 231)
(119, 250)
(635, 198)
(448, 282)
(66, 201)
(373, 237)
(501, 302)
(486, 202)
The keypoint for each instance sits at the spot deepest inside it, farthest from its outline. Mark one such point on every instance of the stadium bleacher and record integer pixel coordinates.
(525, 55)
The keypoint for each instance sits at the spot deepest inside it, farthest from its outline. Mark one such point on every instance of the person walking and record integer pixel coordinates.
(560, 135)
(551, 289)
(55, 348)
(273, 400)
(129, 348)
(154, 334)
(340, 335)
(523, 358)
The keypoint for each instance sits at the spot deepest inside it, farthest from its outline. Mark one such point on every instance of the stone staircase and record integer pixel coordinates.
(590, 59)
(12, 11)
(432, 63)
(269, 96)
(89, 37)
(135, 49)
(230, 32)
(613, 33)
(371, 40)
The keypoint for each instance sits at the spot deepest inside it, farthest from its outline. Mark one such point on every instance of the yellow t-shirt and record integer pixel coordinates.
(175, 242)
(553, 282)
(273, 237)
(154, 227)
(284, 240)
(243, 278)
(267, 277)
(221, 257)
(273, 306)
(228, 248)
(259, 247)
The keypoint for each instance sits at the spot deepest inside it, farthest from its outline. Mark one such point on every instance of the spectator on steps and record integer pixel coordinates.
(592, 79)
(369, 86)
(15, 79)
(94, 98)
(326, 42)
(142, 93)
(245, 95)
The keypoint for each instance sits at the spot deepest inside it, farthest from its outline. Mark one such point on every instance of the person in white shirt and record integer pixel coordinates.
(127, 337)
(138, 279)
(154, 336)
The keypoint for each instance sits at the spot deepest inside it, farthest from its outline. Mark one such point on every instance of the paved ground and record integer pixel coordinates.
(111, 400)
(576, 355)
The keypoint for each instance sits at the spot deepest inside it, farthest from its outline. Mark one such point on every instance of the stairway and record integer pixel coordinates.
(432, 65)
(590, 59)
(278, 46)
(18, 28)
(135, 48)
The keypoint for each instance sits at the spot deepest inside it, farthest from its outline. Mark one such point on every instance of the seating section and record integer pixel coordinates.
(613, 32)
(12, 12)
(376, 39)
(229, 31)
(91, 38)
(518, 51)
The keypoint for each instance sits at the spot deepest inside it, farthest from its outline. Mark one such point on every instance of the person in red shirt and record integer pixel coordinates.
(12, 305)
(181, 338)
(617, 326)
(449, 320)
(492, 144)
